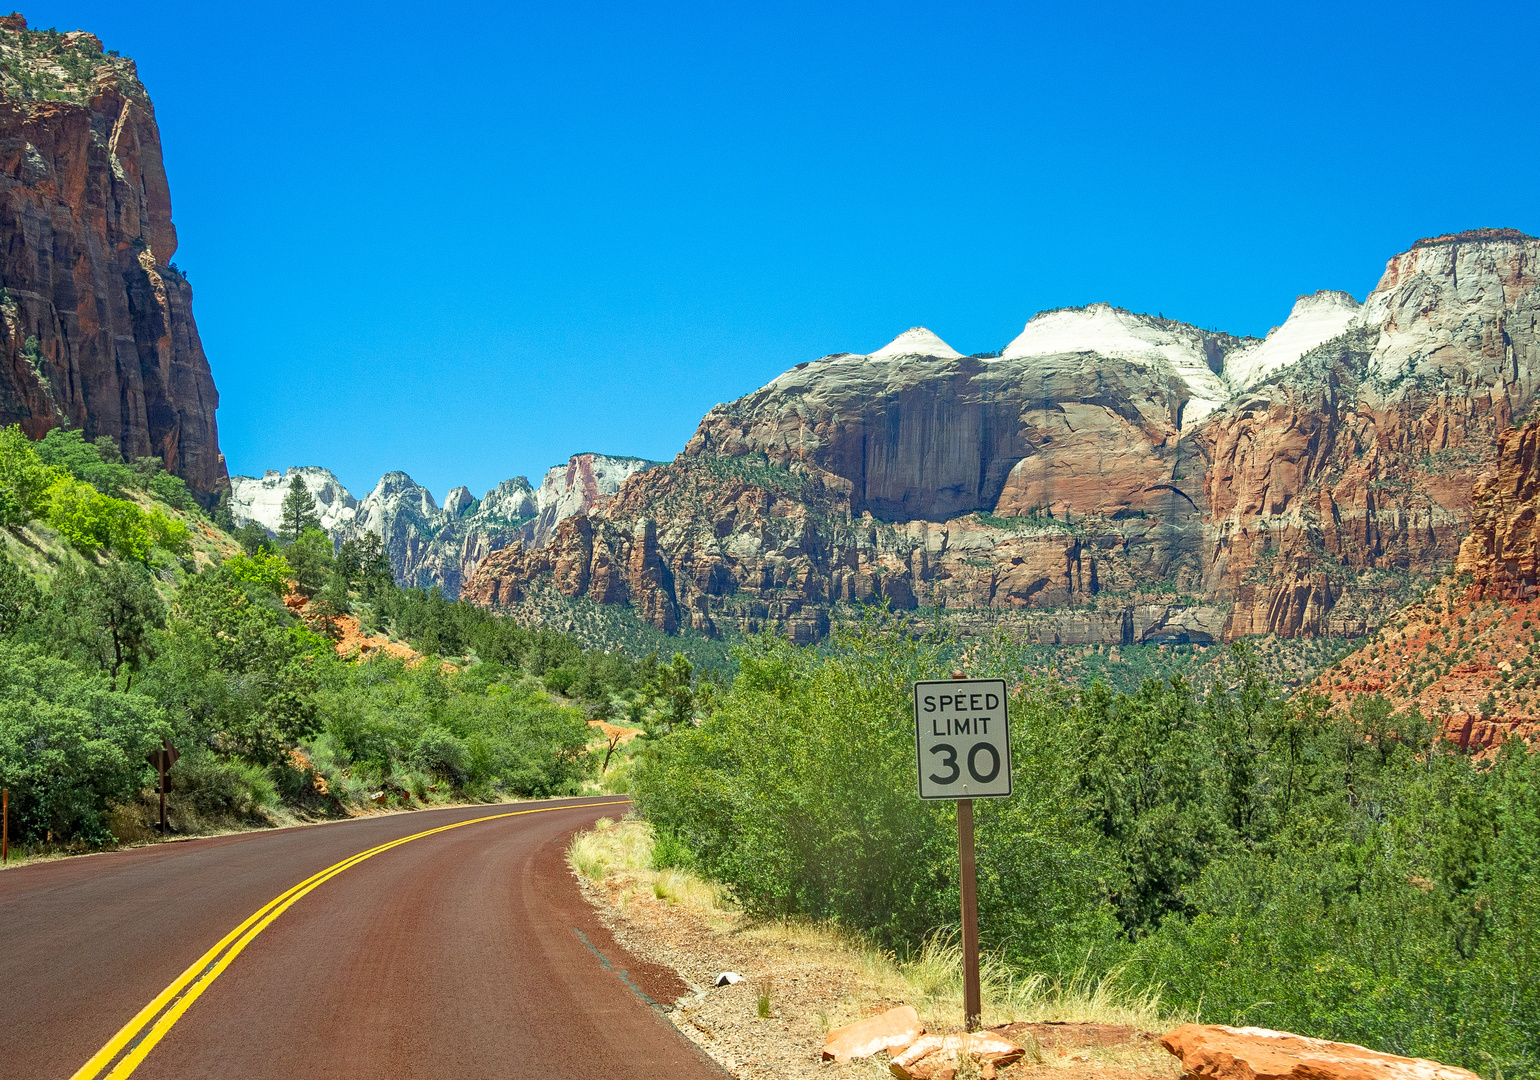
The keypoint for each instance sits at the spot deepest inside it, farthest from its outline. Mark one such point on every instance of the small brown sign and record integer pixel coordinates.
(161, 761)
(163, 758)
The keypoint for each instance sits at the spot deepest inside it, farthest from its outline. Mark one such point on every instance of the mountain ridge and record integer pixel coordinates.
(1100, 488)
(428, 544)
(96, 325)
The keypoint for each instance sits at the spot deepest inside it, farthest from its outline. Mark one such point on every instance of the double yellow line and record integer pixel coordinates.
(140, 1035)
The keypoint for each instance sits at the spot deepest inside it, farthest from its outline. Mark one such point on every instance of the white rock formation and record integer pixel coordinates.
(916, 341)
(1166, 347)
(1316, 319)
(260, 499)
(429, 544)
(1440, 309)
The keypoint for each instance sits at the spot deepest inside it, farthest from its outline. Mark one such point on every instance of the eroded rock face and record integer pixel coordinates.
(922, 436)
(1108, 478)
(577, 487)
(1464, 653)
(1502, 552)
(96, 325)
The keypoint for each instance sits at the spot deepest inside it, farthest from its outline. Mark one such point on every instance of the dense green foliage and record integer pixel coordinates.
(68, 744)
(121, 639)
(1263, 862)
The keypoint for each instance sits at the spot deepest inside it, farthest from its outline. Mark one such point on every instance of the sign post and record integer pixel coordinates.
(163, 759)
(963, 751)
(5, 825)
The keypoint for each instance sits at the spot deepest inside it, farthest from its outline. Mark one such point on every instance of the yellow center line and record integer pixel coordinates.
(189, 985)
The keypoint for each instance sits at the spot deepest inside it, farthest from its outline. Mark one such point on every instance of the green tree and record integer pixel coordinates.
(299, 512)
(97, 463)
(224, 516)
(104, 618)
(311, 559)
(364, 565)
(68, 745)
(263, 569)
(19, 598)
(253, 538)
(24, 479)
(235, 671)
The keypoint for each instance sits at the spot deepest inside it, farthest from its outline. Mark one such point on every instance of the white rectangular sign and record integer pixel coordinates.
(962, 739)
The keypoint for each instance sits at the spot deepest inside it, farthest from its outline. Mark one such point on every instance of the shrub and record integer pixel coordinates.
(263, 569)
(219, 789)
(68, 745)
(441, 753)
(24, 478)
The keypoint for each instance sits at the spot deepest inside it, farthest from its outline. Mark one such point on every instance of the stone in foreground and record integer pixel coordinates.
(937, 1057)
(893, 1029)
(1218, 1052)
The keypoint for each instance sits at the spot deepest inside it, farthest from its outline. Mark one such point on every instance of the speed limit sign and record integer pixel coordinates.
(963, 739)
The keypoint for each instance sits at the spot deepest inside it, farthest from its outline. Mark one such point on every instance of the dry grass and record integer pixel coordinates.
(930, 980)
(623, 849)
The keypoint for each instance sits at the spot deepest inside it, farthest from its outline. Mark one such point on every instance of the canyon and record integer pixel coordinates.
(1108, 477)
(96, 325)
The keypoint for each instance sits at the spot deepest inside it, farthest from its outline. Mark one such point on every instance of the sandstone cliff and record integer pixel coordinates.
(1109, 477)
(1465, 654)
(96, 326)
(577, 486)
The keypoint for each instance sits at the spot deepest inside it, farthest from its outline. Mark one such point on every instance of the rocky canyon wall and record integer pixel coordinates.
(1108, 477)
(96, 325)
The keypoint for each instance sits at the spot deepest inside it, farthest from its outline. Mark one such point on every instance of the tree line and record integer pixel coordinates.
(107, 647)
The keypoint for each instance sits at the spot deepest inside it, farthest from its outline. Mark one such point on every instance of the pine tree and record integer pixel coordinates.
(299, 511)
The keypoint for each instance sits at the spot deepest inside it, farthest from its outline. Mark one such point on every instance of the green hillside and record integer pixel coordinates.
(128, 615)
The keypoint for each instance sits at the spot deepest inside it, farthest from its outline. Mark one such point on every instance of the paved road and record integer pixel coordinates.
(455, 955)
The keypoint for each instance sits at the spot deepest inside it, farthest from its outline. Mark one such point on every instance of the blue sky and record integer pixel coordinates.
(468, 240)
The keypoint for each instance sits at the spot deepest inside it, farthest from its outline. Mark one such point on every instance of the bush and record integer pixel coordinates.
(441, 753)
(24, 479)
(69, 746)
(486, 738)
(216, 789)
(1267, 863)
(91, 520)
(262, 569)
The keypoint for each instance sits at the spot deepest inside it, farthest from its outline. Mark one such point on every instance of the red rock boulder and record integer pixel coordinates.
(1217, 1052)
(891, 1030)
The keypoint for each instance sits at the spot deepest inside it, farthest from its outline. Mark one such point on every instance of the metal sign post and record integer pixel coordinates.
(963, 751)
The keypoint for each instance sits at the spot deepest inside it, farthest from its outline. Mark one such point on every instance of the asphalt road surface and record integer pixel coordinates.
(466, 953)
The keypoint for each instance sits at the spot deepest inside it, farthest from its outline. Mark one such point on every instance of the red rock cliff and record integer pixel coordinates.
(96, 326)
(1109, 477)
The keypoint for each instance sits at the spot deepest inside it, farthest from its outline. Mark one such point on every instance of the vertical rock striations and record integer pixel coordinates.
(96, 326)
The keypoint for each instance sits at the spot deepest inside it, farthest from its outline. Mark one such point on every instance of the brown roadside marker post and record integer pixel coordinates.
(5, 825)
(163, 759)
(962, 732)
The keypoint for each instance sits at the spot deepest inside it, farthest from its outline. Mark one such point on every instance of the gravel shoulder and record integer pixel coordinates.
(816, 979)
